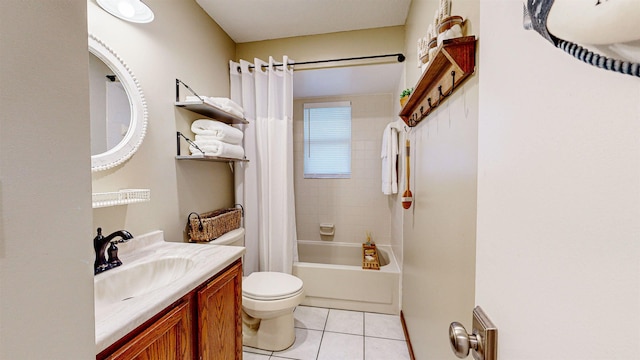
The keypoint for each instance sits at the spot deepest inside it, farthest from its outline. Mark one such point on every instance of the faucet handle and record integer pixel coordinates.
(113, 255)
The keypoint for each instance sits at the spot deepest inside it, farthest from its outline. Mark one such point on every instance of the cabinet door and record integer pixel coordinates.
(219, 317)
(169, 338)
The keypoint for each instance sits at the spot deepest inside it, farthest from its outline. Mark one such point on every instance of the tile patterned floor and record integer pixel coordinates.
(330, 334)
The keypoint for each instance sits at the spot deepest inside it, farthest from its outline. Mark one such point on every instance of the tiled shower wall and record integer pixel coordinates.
(354, 205)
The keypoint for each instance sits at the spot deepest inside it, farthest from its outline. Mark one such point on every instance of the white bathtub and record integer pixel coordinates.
(333, 277)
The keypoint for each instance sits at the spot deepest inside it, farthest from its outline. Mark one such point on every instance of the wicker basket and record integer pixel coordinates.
(211, 225)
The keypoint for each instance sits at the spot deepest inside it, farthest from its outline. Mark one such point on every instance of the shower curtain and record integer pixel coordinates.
(264, 185)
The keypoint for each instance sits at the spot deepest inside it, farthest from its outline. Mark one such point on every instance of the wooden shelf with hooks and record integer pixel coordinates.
(454, 62)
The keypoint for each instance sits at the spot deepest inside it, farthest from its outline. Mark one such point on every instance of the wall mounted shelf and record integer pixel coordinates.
(204, 108)
(122, 197)
(453, 63)
(200, 157)
(208, 158)
(208, 110)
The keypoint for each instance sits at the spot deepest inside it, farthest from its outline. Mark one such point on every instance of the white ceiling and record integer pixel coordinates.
(256, 20)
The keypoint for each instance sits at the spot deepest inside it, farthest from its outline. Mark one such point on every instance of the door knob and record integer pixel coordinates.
(461, 342)
(482, 342)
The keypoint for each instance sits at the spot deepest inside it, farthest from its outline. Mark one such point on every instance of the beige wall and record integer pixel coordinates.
(46, 275)
(182, 42)
(354, 205)
(439, 230)
(388, 40)
(558, 198)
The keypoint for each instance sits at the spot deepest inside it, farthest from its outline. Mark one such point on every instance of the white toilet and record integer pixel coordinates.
(268, 301)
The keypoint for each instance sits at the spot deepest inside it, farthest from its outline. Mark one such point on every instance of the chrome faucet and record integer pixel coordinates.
(100, 244)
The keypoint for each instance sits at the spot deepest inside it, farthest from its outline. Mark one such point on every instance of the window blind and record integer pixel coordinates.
(327, 140)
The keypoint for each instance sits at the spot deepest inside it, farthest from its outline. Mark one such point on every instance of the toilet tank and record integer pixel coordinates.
(231, 238)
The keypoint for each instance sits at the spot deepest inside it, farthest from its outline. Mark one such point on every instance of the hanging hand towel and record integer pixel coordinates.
(217, 131)
(389, 160)
(218, 148)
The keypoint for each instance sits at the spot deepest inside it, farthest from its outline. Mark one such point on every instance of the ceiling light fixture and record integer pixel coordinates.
(130, 10)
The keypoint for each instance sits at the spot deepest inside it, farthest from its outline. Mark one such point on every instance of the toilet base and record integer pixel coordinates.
(268, 334)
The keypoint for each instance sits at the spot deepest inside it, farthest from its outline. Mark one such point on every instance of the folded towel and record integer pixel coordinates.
(192, 98)
(218, 148)
(217, 130)
(221, 103)
(226, 103)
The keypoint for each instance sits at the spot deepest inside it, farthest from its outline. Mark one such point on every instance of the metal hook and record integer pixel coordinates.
(429, 102)
(440, 91)
(453, 82)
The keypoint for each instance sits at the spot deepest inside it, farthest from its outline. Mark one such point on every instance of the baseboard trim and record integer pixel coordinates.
(406, 336)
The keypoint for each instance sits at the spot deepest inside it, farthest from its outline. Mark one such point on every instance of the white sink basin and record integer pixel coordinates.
(154, 275)
(128, 282)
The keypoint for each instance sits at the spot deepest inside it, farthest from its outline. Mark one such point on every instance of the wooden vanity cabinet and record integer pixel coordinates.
(219, 317)
(169, 338)
(205, 324)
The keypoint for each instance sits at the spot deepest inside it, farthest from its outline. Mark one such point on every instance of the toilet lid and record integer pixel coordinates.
(270, 286)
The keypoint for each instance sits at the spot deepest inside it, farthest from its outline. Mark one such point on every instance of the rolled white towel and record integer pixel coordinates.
(218, 148)
(217, 131)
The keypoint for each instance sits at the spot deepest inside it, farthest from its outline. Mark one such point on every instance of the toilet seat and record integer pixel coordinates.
(268, 286)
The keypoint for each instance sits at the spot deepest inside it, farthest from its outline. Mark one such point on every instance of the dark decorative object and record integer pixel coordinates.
(536, 13)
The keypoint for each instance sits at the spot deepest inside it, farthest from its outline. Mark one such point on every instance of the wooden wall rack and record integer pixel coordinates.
(454, 62)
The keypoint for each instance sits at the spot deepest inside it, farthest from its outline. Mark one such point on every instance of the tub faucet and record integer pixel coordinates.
(100, 244)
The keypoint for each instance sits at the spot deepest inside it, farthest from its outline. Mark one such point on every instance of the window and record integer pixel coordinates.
(327, 140)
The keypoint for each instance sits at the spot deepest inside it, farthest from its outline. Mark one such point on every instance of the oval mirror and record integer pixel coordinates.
(118, 108)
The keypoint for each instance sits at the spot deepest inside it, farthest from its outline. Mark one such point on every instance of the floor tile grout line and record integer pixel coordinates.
(326, 320)
(385, 338)
(343, 333)
(320, 346)
(364, 336)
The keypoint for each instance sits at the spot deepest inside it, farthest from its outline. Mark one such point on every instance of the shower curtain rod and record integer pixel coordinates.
(400, 58)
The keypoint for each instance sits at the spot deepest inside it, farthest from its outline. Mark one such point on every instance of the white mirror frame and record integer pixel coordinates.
(138, 127)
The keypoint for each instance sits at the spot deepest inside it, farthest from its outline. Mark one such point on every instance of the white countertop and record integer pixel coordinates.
(115, 320)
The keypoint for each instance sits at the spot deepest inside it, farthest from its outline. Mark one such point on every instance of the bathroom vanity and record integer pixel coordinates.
(193, 311)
